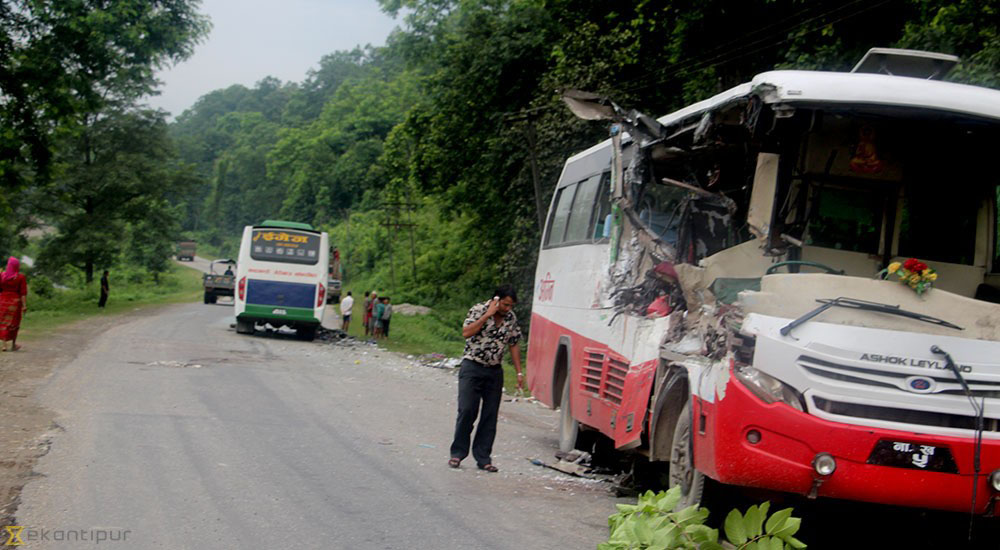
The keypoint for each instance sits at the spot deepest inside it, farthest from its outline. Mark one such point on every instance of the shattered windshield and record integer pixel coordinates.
(659, 210)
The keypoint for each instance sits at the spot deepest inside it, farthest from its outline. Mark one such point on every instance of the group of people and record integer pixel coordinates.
(378, 314)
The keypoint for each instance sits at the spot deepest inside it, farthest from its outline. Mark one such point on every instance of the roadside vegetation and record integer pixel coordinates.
(50, 306)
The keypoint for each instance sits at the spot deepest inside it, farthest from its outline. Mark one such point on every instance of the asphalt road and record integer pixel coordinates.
(187, 435)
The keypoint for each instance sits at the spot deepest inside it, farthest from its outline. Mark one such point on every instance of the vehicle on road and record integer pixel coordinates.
(186, 250)
(281, 277)
(790, 286)
(219, 284)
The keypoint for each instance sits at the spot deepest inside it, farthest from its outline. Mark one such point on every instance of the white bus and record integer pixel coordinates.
(281, 277)
(678, 311)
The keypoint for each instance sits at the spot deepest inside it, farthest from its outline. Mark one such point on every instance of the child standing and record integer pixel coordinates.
(386, 316)
(377, 312)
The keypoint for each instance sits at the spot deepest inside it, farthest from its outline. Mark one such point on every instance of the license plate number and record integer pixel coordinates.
(915, 456)
(279, 311)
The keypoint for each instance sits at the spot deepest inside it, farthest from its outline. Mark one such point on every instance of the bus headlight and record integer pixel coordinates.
(768, 388)
(995, 480)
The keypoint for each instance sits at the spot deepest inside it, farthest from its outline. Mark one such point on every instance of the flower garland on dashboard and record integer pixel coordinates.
(912, 273)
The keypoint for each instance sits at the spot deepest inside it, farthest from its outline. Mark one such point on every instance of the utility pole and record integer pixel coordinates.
(392, 221)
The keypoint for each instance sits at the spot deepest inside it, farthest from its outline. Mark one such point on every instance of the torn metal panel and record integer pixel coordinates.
(765, 181)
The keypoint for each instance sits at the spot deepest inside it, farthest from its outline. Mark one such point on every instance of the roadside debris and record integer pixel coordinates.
(174, 364)
(439, 361)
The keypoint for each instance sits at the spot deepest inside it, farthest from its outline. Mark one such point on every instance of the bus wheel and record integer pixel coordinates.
(682, 470)
(244, 327)
(306, 333)
(569, 428)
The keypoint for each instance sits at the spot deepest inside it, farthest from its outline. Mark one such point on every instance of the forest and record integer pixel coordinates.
(430, 160)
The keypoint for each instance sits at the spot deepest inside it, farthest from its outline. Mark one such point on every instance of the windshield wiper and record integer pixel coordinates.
(854, 303)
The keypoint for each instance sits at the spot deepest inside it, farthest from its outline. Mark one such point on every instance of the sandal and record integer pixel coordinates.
(14, 348)
(454, 462)
(490, 468)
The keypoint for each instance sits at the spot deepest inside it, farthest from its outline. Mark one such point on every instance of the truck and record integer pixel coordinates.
(792, 286)
(219, 284)
(186, 250)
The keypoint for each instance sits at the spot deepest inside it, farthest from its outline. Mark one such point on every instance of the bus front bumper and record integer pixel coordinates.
(740, 440)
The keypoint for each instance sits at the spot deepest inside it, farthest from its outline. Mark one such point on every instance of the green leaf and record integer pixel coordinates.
(702, 533)
(795, 543)
(736, 531)
(776, 521)
(643, 533)
(626, 508)
(691, 514)
(668, 536)
(711, 546)
(669, 499)
(790, 527)
(753, 522)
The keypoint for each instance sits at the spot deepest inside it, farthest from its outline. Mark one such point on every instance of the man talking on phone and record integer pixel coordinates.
(489, 328)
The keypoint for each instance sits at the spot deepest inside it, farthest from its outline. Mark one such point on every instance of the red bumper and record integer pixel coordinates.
(782, 459)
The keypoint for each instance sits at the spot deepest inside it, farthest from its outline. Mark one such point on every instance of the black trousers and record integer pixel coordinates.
(477, 385)
(103, 300)
(385, 327)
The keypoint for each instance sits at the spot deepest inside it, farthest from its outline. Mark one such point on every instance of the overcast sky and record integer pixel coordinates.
(251, 39)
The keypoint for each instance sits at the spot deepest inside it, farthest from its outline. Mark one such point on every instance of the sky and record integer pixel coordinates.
(252, 39)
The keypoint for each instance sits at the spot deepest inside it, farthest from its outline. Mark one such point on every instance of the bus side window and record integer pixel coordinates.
(601, 219)
(560, 215)
(581, 214)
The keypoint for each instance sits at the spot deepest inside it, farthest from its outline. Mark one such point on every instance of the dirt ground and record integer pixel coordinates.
(25, 427)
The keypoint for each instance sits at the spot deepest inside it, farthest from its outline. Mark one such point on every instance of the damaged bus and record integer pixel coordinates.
(790, 286)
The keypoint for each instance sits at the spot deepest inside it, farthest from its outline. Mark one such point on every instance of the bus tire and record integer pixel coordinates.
(682, 470)
(569, 428)
(244, 326)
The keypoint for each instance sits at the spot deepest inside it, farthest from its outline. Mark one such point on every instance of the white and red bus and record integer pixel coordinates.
(712, 289)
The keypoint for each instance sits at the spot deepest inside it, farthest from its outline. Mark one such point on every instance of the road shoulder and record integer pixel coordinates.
(28, 426)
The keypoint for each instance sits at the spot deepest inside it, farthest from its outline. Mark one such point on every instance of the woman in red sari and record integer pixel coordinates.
(13, 303)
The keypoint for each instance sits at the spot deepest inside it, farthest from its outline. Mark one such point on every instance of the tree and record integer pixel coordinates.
(62, 61)
(115, 170)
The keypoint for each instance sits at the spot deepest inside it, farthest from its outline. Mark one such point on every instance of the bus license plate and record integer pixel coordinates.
(915, 456)
(279, 311)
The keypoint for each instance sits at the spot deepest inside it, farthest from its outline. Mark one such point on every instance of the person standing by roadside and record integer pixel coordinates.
(377, 312)
(386, 316)
(489, 327)
(369, 311)
(13, 303)
(346, 305)
(105, 289)
(366, 314)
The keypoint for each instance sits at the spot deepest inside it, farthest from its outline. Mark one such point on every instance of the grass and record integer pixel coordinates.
(437, 332)
(60, 307)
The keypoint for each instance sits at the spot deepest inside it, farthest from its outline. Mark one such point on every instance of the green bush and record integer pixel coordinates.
(653, 524)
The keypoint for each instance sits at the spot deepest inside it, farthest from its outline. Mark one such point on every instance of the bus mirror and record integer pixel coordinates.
(589, 106)
(765, 183)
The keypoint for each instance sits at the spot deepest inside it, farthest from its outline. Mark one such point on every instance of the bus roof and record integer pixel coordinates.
(286, 225)
(845, 89)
